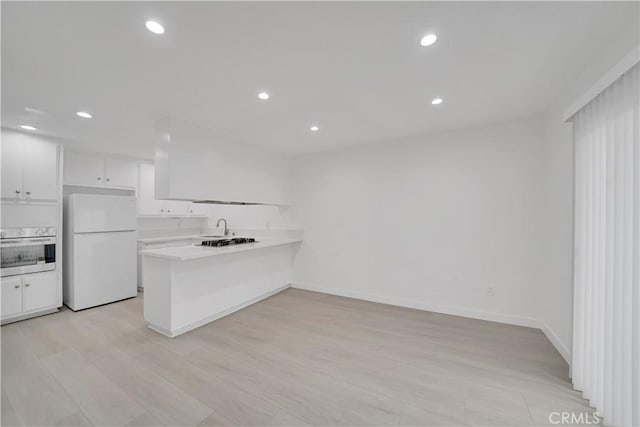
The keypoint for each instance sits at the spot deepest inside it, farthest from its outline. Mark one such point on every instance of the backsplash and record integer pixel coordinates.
(251, 217)
(161, 227)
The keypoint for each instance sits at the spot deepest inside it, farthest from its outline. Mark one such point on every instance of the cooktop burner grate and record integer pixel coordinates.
(228, 242)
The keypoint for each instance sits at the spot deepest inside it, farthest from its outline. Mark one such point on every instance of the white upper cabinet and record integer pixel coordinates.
(29, 168)
(177, 208)
(193, 163)
(149, 205)
(83, 169)
(95, 170)
(199, 209)
(120, 173)
(11, 168)
(40, 171)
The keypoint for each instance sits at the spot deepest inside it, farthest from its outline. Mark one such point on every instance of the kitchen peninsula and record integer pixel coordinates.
(188, 286)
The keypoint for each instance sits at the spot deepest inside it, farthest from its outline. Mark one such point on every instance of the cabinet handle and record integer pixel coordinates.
(27, 285)
(108, 179)
(161, 210)
(18, 191)
(16, 286)
(28, 193)
(99, 179)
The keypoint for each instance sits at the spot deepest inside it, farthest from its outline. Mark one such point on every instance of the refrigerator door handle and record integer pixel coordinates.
(104, 232)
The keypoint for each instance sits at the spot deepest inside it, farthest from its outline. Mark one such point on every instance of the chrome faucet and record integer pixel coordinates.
(226, 229)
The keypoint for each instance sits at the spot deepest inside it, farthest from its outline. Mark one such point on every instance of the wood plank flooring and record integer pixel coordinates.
(297, 358)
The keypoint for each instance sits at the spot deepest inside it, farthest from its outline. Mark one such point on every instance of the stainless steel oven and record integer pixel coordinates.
(27, 250)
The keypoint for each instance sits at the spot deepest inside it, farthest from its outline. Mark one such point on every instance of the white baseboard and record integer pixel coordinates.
(455, 311)
(557, 343)
(420, 305)
(26, 316)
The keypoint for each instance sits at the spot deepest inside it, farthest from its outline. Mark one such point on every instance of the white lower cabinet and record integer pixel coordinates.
(39, 291)
(11, 296)
(29, 293)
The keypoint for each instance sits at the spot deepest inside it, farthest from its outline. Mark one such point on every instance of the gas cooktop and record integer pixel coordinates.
(228, 242)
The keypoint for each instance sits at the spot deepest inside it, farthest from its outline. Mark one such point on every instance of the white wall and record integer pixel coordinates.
(429, 223)
(557, 233)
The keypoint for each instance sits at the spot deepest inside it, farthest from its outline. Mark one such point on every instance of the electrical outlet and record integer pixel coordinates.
(491, 291)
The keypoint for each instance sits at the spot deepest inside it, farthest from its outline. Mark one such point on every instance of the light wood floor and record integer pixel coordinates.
(297, 358)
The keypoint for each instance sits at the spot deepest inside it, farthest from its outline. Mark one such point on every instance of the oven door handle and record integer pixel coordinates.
(25, 242)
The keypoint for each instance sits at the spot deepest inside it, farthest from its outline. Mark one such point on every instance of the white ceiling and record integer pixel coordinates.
(354, 68)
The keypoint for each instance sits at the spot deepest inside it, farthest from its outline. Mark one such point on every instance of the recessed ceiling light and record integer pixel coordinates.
(84, 114)
(428, 40)
(314, 128)
(27, 127)
(34, 111)
(154, 27)
(436, 101)
(263, 95)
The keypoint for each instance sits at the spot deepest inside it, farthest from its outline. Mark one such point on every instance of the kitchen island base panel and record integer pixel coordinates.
(181, 295)
(215, 316)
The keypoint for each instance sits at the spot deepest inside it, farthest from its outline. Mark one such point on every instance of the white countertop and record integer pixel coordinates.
(183, 253)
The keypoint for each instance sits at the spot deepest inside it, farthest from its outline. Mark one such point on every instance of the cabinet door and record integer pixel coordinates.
(83, 169)
(121, 173)
(40, 171)
(11, 296)
(147, 203)
(198, 209)
(12, 166)
(39, 291)
(177, 208)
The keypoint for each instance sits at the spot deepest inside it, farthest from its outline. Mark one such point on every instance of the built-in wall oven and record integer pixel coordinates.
(27, 250)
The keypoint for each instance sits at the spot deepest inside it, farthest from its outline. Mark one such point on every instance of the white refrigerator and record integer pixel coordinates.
(100, 253)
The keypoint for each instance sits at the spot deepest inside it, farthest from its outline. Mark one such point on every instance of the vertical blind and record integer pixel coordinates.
(606, 336)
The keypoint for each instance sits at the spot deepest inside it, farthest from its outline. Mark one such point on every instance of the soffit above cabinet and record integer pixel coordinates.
(198, 164)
